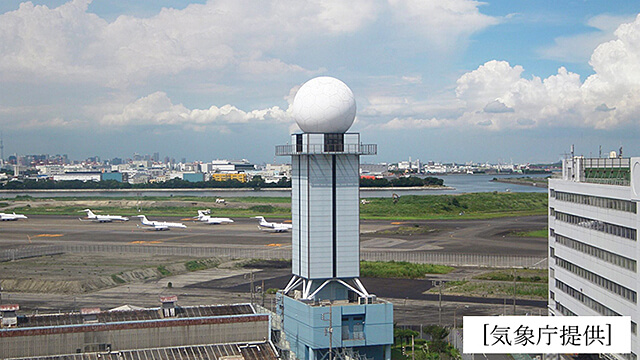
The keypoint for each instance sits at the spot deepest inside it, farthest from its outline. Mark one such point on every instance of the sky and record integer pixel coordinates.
(436, 80)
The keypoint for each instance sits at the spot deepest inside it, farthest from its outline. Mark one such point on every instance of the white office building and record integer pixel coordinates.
(593, 240)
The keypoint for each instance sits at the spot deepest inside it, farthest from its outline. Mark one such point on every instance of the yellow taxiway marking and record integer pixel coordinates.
(49, 235)
(146, 242)
(397, 223)
(274, 245)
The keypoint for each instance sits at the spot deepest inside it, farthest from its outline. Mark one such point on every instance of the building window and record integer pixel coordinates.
(598, 280)
(333, 142)
(607, 203)
(597, 225)
(298, 142)
(601, 254)
(586, 300)
(353, 327)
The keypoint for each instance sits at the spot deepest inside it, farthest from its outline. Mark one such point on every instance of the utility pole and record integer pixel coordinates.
(413, 348)
(329, 329)
(514, 291)
(439, 283)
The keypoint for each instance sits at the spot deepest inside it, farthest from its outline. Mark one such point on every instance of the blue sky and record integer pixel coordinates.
(442, 80)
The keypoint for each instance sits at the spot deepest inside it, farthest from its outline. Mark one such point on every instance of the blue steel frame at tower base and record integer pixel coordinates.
(367, 329)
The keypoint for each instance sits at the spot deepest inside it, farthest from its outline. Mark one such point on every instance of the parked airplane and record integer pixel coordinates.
(160, 225)
(11, 217)
(103, 218)
(272, 226)
(203, 215)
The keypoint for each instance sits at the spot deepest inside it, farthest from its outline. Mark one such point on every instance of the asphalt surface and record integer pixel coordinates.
(493, 236)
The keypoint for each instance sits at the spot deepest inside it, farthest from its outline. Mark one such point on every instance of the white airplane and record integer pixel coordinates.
(203, 216)
(160, 225)
(272, 226)
(103, 218)
(11, 217)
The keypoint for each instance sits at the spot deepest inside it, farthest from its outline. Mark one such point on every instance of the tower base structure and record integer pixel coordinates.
(336, 329)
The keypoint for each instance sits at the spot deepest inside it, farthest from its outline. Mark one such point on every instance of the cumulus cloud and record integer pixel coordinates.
(496, 96)
(604, 108)
(578, 48)
(68, 43)
(444, 23)
(497, 107)
(411, 123)
(158, 109)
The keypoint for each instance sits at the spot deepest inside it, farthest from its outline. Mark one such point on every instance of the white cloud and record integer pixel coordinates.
(69, 44)
(411, 123)
(496, 96)
(445, 23)
(497, 107)
(578, 48)
(157, 109)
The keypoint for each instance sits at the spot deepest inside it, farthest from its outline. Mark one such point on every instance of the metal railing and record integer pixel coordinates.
(607, 171)
(30, 251)
(358, 149)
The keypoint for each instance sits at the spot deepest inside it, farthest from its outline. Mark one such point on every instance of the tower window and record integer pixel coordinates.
(333, 142)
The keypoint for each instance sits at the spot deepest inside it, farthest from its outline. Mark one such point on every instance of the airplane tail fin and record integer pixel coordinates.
(90, 213)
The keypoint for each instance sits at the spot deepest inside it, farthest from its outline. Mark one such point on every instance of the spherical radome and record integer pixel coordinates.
(324, 105)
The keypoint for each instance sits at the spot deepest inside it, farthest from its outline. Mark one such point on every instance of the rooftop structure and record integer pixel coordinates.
(248, 351)
(94, 333)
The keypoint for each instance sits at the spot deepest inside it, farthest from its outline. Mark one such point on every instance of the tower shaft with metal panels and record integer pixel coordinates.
(325, 211)
(325, 306)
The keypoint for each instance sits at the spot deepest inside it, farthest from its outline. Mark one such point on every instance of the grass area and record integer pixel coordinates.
(409, 207)
(408, 230)
(470, 206)
(400, 269)
(265, 264)
(535, 233)
(530, 284)
(498, 289)
(201, 264)
(117, 279)
(522, 275)
(163, 270)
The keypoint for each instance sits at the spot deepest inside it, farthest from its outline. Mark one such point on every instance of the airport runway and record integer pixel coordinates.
(492, 236)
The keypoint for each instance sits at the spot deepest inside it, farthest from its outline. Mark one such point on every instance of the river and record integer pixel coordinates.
(459, 183)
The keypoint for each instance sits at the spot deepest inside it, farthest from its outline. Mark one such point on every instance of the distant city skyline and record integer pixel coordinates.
(449, 81)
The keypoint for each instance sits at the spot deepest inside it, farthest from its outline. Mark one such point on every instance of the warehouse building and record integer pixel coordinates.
(230, 332)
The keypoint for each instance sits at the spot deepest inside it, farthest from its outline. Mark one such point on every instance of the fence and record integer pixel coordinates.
(30, 251)
(275, 253)
(454, 259)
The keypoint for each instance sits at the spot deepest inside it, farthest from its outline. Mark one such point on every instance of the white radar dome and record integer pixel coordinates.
(324, 105)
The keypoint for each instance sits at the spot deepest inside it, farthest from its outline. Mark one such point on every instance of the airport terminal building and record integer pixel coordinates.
(593, 240)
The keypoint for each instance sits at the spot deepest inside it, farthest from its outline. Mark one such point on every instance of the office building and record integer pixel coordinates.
(593, 240)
